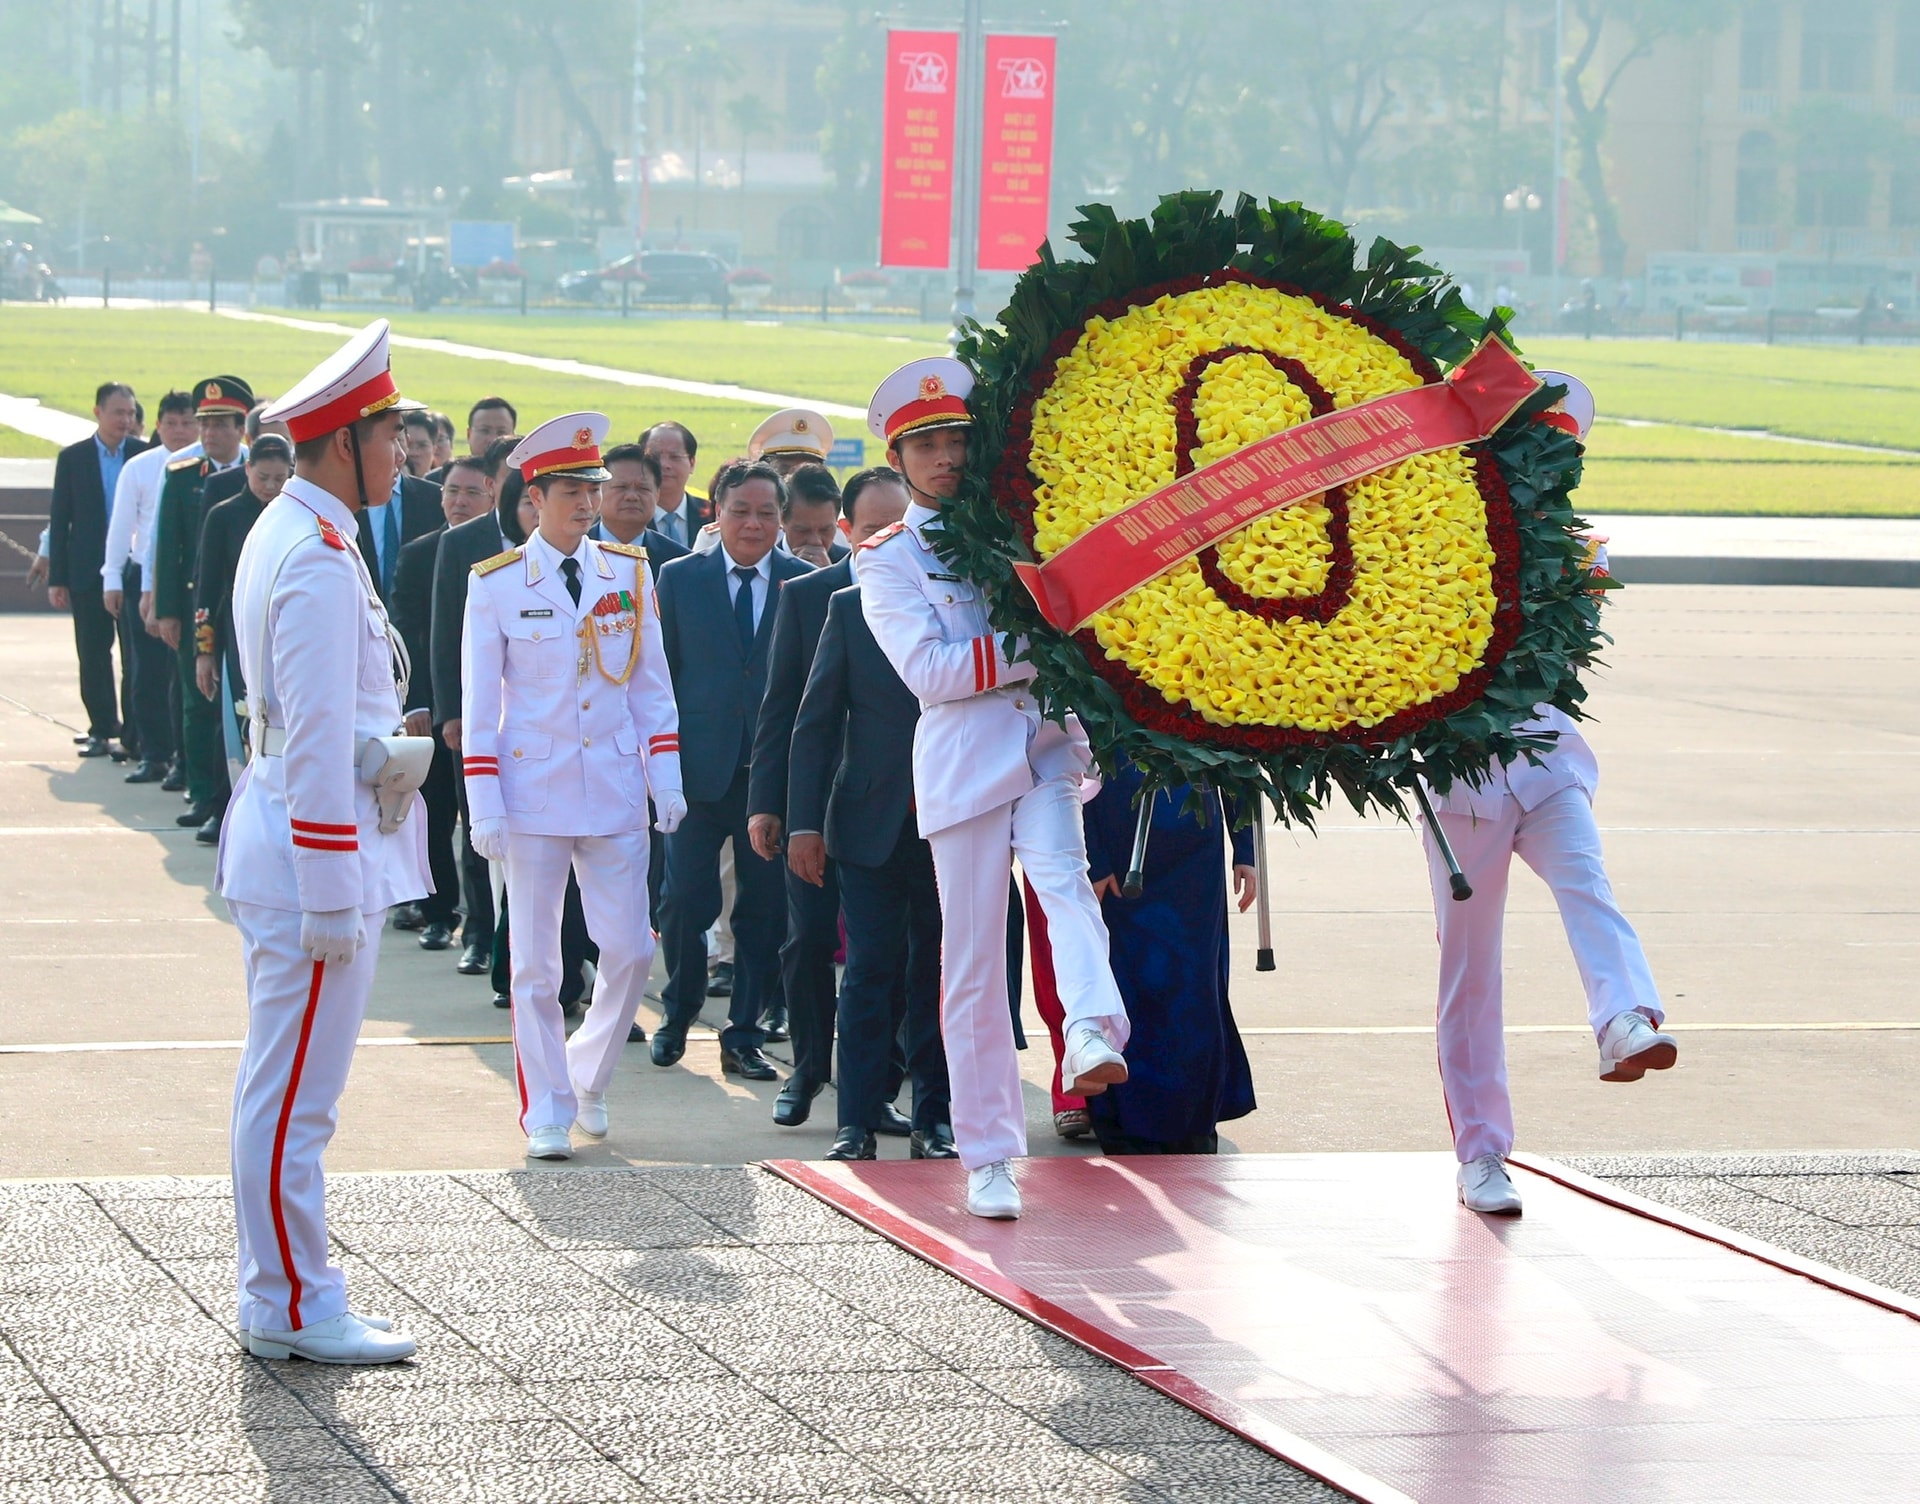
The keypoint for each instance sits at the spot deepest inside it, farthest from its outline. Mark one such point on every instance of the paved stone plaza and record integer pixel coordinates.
(603, 1331)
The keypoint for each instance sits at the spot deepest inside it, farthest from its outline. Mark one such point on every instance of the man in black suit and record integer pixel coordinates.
(84, 478)
(465, 495)
(716, 619)
(682, 512)
(457, 550)
(850, 805)
(411, 511)
(813, 908)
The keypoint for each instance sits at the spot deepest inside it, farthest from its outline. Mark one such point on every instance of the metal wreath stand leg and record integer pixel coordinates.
(1136, 879)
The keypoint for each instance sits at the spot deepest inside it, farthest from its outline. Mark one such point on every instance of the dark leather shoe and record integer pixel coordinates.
(935, 1143)
(751, 1065)
(93, 746)
(636, 1034)
(409, 917)
(776, 1024)
(196, 815)
(720, 981)
(502, 1000)
(668, 1045)
(853, 1143)
(209, 833)
(146, 772)
(795, 1102)
(437, 936)
(175, 782)
(893, 1122)
(475, 960)
(119, 754)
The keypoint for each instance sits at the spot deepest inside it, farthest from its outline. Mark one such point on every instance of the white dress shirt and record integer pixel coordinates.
(136, 504)
(760, 584)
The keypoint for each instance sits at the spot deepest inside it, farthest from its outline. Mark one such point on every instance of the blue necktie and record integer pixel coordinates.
(743, 607)
(390, 551)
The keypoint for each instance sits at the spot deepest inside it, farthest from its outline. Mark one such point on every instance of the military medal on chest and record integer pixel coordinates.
(615, 614)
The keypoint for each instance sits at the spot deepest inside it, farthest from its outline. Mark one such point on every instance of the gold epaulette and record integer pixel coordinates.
(625, 550)
(892, 530)
(186, 464)
(498, 561)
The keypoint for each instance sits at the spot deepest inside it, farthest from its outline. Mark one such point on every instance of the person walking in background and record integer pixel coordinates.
(125, 572)
(570, 727)
(85, 477)
(221, 404)
(716, 614)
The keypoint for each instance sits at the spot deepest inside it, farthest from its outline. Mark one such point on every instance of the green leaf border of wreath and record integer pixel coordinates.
(1188, 235)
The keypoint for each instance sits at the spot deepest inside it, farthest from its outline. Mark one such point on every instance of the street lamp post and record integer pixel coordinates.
(1520, 202)
(966, 181)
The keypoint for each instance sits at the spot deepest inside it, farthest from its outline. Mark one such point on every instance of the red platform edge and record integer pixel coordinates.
(1290, 1448)
(1699, 1227)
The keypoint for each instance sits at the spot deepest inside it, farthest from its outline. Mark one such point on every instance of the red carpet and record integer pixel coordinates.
(1344, 1312)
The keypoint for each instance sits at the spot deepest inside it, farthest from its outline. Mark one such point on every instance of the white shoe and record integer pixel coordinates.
(993, 1192)
(344, 1339)
(1089, 1065)
(551, 1142)
(590, 1113)
(1630, 1046)
(1483, 1186)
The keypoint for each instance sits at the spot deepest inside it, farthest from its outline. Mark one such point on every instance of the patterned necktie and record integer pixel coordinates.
(571, 569)
(743, 606)
(390, 551)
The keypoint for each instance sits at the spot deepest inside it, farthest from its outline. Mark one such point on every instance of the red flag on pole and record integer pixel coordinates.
(1016, 151)
(916, 173)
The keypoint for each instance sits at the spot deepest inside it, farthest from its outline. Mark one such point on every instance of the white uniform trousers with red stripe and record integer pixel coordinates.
(303, 1021)
(1560, 840)
(973, 863)
(550, 1068)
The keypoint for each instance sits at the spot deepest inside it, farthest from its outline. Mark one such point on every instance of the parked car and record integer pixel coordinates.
(662, 276)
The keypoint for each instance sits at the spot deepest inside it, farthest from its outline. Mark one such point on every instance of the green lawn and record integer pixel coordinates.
(15, 445)
(1852, 395)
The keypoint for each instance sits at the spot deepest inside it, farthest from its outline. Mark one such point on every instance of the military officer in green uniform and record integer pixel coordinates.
(220, 403)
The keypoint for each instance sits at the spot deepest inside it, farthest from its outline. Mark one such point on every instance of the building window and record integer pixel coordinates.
(1756, 180)
(1906, 51)
(1833, 197)
(1760, 50)
(1903, 205)
(1836, 48)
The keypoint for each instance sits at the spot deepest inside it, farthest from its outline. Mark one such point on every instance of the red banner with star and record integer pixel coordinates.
(1016, 151)
(917, 146)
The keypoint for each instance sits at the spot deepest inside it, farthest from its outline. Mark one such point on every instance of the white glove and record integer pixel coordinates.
(669, 809)
(490, 837)
(333, 935)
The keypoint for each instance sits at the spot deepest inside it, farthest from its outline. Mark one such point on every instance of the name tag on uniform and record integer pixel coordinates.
(545, 612)
(952, 579)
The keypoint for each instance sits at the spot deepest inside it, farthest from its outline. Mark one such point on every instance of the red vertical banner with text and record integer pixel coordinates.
(1016, 152)
(921, 136)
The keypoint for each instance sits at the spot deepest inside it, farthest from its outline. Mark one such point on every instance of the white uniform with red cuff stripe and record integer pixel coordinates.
(569, 756)
(303, 834)
(992, 778)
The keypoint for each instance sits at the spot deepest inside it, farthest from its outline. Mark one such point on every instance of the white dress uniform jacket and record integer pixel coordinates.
(303, 832)
(982, 740)
(550, 742)
(136, 507)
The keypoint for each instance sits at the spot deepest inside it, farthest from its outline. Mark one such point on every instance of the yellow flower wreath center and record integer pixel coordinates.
(1420, 613)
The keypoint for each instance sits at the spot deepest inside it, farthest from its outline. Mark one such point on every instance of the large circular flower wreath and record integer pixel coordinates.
(1412, 618)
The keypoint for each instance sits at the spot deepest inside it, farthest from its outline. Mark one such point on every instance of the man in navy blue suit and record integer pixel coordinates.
(716, 618)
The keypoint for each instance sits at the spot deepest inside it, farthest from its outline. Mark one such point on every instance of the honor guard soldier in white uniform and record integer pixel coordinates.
(792, 437)
(322, 837)
(992, 778)
(1544, 814)
(569, 724)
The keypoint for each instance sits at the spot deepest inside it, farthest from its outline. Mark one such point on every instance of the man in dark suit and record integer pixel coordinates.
(412, 510)
(457, 550)
(850, 804)
(464, 496)
(716, 619)
(813, 908)
(84, 478)
(682, 510)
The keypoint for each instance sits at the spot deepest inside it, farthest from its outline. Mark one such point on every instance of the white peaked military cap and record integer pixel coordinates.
(354, 382)
(1579, 399)
(567, 445)
(797, 430)
(922, 394)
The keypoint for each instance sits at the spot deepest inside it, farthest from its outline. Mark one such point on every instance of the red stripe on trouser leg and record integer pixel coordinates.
(280, 1147)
